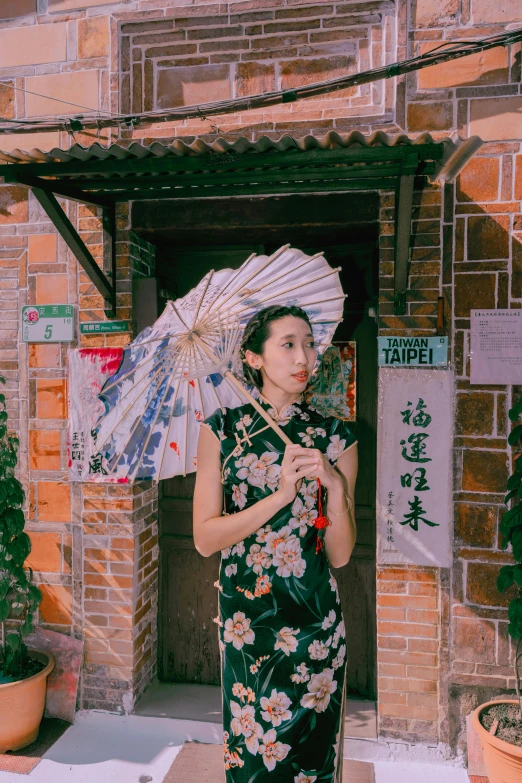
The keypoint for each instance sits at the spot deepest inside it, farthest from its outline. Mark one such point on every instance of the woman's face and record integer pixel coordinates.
(288, 356)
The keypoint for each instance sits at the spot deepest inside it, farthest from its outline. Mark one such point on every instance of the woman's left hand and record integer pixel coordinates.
(323, 470)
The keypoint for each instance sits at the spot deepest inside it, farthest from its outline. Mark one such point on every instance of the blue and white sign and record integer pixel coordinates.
(395, 351)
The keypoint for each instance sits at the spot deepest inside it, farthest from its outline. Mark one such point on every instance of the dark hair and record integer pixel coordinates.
(257, 332)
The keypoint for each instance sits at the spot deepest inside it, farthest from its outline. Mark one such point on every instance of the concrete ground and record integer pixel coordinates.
(108, 748)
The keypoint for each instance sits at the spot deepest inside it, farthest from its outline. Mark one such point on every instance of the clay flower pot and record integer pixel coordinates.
(503, 760)
(22, 705)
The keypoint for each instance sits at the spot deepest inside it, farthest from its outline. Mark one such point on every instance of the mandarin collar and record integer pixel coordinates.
(287, 412)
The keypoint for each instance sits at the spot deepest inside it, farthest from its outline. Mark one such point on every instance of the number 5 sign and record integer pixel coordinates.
(48, 323)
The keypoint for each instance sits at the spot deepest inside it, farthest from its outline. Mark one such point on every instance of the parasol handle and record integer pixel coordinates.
(266, 416)
(239, 386)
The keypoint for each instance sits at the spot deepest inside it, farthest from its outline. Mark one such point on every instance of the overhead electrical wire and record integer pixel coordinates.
(445, 52)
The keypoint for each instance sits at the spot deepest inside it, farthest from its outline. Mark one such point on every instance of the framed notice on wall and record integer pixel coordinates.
(496, 347)
(414, 470)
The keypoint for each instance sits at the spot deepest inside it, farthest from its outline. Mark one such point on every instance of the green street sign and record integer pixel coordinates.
(98, 327)
(48, 323)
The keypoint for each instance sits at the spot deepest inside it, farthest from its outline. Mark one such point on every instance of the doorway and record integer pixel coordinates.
(192, 237)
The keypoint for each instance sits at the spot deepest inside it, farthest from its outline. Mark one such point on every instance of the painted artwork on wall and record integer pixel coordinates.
(332, 388)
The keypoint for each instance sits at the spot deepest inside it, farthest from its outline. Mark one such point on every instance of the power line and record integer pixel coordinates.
(445, 52)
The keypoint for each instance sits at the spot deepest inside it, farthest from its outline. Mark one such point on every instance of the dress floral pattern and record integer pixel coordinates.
(281, 629)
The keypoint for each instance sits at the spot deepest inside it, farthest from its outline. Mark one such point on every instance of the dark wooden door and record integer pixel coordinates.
(188, 646)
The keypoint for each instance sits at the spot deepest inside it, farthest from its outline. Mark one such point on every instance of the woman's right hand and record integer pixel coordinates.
(296, 464)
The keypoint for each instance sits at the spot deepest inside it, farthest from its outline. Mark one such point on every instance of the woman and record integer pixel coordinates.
(282, 635)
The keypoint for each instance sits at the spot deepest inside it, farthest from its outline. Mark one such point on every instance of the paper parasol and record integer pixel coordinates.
(180, 370)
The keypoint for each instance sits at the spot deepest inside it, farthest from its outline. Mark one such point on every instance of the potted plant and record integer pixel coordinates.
(499, 723)
(23, 672)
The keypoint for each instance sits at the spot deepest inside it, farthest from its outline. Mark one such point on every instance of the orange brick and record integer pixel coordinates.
(43, 248)
(51, 289)
(108, 580)
(120, 622)
(423, 672)
(414, 713)
(43, 355)
(415, 588)
(391, 643)
(391, 587)
(423, 645)
(56, 606)
(391, 613)
(392, 670)
(407, 657)
(422, 699)
(393, 697)
(407, 629)
(406, 685)
(54, 501)
(122, 543)
(51, 398)
(93, 37)
(410, 602)
(45, 552)
(422, 616)
(110, 659)
(44, 449)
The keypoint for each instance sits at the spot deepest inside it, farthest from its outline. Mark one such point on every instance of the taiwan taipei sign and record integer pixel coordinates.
(397, 351)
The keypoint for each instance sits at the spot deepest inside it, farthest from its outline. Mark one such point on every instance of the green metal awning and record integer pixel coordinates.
(104, 176)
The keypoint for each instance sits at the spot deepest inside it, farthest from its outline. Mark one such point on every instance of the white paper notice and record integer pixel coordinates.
(414, 467)
(496, 346)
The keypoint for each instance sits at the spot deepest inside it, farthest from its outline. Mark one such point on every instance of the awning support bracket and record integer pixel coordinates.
(65, 228)
(403, 216)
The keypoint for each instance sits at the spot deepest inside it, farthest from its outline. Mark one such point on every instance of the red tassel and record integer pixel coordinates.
(320, 521)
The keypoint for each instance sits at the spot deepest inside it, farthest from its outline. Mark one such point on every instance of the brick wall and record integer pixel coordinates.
(442, 633)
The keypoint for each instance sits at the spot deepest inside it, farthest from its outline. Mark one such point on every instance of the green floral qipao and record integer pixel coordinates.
(282, 634)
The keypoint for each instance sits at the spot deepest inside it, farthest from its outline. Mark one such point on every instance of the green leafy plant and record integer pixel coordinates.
(19, 598)
(511, 529)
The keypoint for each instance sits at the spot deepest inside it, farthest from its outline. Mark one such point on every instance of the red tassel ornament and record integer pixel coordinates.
(320, 522)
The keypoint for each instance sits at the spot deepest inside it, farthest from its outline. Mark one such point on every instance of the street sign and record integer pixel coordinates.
(395, 351)
(48, 323)
(88, 327)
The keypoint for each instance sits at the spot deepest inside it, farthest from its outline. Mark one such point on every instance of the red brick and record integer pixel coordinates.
(484, 471)
(474, 640)
(479, 180)
(430, 116)
(14, 205)
(296, 73)
(472, 292)
(406, 629)
(481, 587)
(488, 237)
(253, 78)
(475, 524)
(474, 413)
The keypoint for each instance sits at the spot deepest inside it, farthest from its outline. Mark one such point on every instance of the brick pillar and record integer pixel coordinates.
(118, 524)
(413, 602)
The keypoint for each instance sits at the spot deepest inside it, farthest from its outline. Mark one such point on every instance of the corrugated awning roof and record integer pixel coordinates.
(198, 147)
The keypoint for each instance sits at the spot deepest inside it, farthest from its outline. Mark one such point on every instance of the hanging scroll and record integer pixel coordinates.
(414, 471)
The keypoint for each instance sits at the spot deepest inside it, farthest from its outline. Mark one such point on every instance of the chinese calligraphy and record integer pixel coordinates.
(418, 445)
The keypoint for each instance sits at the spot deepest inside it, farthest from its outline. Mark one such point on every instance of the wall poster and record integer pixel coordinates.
(414, 466)
(89, 368)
